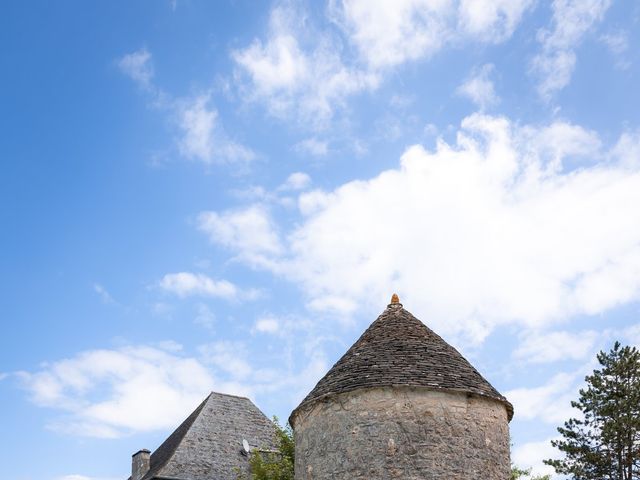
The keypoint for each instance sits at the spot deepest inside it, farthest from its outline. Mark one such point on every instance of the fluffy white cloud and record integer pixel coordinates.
(307, 72)
(572, 20)
(203, 138)
(268, 324)
(627, 150)
(550, 403)
(251, 231)
(479, 88)
(186, 284)
(551, 347)
(107, 393)
(509, 224)
(391, 33)
(296, 181)
(137, 65)
(630, 335)
(289, 79)
(491, 20)
(559, 145)
(531, 454)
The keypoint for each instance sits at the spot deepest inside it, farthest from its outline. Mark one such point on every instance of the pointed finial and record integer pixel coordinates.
(395, 299)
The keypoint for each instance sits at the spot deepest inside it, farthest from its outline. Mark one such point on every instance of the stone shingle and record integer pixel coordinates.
(208, 444)
(399, 350)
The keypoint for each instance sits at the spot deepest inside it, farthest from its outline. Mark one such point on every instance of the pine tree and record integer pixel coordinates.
(605, 443)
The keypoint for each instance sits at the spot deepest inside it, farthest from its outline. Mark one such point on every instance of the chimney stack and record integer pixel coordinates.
(140, 464)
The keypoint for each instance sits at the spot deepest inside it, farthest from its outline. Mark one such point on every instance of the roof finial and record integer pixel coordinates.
(395, 299)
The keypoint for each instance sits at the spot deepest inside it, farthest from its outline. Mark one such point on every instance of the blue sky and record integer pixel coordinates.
(222, 196)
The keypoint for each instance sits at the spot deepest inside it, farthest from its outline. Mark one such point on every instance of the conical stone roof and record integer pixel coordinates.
(398, 350)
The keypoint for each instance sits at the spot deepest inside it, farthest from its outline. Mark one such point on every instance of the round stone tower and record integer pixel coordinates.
(402, 403)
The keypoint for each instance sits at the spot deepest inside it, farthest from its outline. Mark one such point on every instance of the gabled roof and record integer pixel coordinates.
(399, 350)
(208, 444)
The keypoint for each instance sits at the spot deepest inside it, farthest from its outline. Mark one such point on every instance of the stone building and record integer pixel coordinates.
(402, 403)
(210, 444)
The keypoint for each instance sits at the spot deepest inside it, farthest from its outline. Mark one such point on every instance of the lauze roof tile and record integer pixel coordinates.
(399, 350)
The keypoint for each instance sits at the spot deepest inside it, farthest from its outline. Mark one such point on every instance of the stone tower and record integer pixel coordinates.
(402, 403)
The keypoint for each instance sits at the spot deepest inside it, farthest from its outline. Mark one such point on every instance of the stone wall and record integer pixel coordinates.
(405, 433)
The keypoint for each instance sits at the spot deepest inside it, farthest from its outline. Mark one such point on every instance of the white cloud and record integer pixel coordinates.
(246, 371)
(479, 88)
(198, 123)
(617, 42)
(572, 20)
(137, 65)
(296, 181)
(186, 284)
(536, 347)
(250, 230)
(289, 80)
(627, 150)
(312, 146)
(531, 455)
(550, 403)
(203, 138)
(499, 227)
(631, 335)
(268, 324)
(108, 393)
(391, 33)
(559, 144)
(491, 20)
(305, 72)
(387, 34)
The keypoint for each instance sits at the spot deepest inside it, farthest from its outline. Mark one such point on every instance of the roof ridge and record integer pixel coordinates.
(229, 395)
(168, 448)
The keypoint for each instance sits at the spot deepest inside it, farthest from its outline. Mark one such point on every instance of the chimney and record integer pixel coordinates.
(140, 464)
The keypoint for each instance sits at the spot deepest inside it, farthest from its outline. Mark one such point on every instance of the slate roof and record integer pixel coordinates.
(208, 444)
(399, 350)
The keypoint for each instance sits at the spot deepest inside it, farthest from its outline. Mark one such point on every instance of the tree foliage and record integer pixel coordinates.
(274, 465)
(604, 444)
(518, 473)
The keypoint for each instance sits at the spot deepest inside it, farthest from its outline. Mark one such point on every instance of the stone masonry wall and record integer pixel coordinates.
(404, 433)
